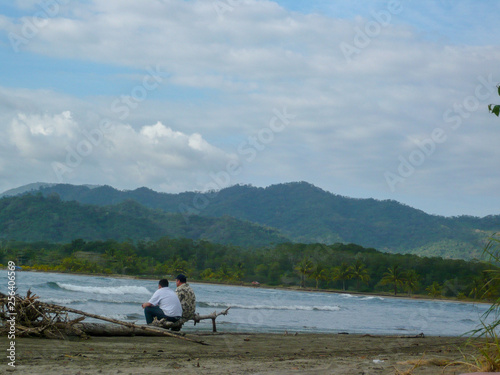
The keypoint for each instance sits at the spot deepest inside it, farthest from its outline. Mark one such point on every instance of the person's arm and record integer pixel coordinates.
(153, 301)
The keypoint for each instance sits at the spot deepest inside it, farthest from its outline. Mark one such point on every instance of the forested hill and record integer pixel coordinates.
(305, 213)
(38, 218)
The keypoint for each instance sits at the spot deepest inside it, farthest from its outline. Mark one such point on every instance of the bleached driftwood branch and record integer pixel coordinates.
(33, 317)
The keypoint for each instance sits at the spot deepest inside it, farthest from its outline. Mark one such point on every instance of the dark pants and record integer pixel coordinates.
(151, 312)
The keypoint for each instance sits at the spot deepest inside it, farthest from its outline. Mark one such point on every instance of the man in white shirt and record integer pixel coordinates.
(164, 304)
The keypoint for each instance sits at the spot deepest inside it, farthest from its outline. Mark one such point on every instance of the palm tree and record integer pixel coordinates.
(304, 268)
(359, 272)
(434, 289)
(319, 272)
(342, 273)
(393, 276)
(238, 272)
(412, 279)
(179, 265)
(223, 273)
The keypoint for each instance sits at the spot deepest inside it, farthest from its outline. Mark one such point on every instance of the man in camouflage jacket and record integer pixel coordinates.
(186, 297)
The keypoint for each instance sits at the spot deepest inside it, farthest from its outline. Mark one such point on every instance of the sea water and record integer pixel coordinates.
(257, 309)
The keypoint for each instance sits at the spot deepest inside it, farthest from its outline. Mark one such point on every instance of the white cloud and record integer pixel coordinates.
(36, 136)
(224, 77)
(67, 151)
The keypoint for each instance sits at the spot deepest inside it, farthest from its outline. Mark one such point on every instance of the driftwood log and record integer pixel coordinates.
(111, 330)
(126, 324)
(30, 317)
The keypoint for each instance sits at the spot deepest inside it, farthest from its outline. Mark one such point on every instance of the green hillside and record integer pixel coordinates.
(305, 213)
(38, 218)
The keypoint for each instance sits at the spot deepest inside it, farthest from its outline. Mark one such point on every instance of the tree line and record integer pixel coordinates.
(345, 267)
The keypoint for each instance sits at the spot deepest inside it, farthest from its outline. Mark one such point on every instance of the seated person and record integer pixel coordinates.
(186, 297)
(164, 304)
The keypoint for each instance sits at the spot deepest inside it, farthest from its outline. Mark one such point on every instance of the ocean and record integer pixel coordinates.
(257, 309)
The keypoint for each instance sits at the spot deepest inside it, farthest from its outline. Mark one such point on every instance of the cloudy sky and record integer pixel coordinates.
(366, 99)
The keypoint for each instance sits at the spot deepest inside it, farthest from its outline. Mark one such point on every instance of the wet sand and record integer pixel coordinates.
(240, 353)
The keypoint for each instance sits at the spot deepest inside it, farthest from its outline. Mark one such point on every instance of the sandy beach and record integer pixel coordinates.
(240, 353)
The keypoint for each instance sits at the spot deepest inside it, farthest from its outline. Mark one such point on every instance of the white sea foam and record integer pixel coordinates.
(369, 298)
(269, 307)
(361, 297)
(121, 317)
(124, 289)
(62, 301)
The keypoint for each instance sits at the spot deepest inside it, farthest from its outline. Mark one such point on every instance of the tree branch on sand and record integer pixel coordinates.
(34, 318)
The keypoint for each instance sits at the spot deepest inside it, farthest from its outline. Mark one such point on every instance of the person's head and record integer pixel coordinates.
(180, 279)
(163, 283)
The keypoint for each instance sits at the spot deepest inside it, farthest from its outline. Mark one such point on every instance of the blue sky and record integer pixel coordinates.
(172, 94)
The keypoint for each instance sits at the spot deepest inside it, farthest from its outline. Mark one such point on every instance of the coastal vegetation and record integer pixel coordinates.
(488, 359)
(495, 108)
(342, 267)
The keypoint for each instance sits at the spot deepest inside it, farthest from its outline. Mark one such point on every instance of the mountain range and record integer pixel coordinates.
(241, 215)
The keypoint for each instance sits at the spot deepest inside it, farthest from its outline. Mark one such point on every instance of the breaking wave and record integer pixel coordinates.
(124, 289)
(268, 307)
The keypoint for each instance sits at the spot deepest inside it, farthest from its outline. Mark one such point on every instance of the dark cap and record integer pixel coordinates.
(181, 278)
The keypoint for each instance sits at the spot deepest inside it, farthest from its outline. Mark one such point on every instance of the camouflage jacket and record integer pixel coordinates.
(188, 300)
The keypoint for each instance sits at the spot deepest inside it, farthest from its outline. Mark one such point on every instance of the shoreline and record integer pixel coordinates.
(263, 286)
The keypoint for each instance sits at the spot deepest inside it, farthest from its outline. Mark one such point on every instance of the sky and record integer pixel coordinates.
(364, 99)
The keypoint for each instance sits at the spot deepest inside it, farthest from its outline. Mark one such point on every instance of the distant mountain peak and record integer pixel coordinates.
(301, 212)
(26, 188)
(36, 186)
